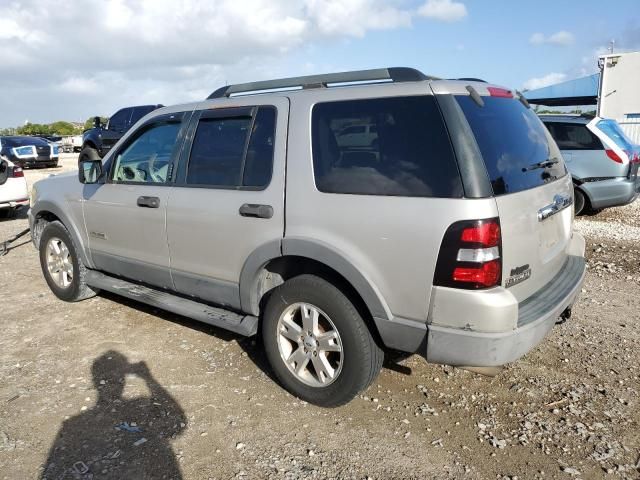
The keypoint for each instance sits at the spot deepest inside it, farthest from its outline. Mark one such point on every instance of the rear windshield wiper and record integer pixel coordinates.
(546, 164)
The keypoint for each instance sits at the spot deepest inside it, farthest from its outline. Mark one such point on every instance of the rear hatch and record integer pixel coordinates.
(530, 183)
(620, 149)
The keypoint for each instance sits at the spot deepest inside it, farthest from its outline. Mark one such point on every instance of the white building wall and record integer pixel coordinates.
(620, 91)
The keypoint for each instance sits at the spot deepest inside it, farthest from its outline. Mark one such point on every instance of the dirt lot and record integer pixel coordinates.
(202, 404)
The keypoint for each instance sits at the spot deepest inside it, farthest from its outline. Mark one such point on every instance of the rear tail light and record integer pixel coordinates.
(633, 158)
(17, 172)
(470, 255)
(499, 92)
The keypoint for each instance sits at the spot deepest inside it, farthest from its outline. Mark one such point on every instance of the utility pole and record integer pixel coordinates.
(611, 45)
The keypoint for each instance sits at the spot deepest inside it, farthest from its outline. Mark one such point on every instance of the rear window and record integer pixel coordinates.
(405, 151)
(612, 129)
(573, 136)
(517, 149)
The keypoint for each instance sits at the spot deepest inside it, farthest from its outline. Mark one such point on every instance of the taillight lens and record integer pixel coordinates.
(613, 156)
(486, 275)
(470, 255)
(17, 172)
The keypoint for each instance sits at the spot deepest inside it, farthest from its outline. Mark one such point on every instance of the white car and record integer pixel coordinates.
(13, 188)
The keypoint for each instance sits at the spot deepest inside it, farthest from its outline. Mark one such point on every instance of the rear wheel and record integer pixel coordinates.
(62, 268)
(317, 343)
(579, 200)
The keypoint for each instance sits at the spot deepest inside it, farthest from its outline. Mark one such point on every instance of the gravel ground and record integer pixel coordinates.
(190, 401)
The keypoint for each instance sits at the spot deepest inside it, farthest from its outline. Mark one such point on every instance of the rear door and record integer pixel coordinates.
(582, 150)
(228, 201)
(532, 189)
(621, 151)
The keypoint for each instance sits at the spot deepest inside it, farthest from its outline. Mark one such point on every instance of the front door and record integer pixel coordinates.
(229, 197)
(125, 216)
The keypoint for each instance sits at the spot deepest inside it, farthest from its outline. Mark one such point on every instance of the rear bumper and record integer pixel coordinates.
(536, 316)
(613, 192)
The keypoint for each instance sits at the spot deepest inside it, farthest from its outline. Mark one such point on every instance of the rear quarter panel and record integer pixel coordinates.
(393, 241)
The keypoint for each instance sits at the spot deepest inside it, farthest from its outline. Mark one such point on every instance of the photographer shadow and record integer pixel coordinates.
(119, 437)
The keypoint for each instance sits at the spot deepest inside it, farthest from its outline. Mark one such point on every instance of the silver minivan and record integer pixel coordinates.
(449, 234)
(602, 160)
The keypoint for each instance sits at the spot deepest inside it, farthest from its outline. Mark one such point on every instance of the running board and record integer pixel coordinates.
(246, 325)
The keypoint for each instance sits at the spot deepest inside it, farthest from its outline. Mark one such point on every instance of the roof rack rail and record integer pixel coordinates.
(393, 74)
(472, 79)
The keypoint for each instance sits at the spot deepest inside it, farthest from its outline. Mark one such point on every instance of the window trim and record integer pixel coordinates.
(225, 113)
(178, 117)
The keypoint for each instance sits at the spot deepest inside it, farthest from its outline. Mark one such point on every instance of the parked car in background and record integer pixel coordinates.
(602, 160)
(97, 141)
(429, 243)
(14, 193)
(29, 151)
(72, 143)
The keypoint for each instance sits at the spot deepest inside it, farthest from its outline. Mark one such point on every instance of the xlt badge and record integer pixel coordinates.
(518, 275)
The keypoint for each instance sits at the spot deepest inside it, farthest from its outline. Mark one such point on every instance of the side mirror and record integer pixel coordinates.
(96, 122)
(90, 171)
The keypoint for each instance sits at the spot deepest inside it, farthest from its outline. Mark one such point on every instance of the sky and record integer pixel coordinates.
(72, 59)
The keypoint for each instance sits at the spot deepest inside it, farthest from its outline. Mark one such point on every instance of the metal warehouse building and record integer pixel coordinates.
(615, 91)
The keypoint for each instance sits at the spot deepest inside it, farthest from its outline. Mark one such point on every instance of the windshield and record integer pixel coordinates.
(517, 149)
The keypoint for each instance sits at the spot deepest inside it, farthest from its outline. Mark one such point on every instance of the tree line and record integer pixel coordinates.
(56, 128)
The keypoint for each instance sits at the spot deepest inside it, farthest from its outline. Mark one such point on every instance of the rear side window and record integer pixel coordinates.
(233, 152)
(573, 136)
(138, 113)
(386, 146)
(518, 151)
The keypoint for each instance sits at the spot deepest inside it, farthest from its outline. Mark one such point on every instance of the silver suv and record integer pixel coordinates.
(602, 160)
(448, 235)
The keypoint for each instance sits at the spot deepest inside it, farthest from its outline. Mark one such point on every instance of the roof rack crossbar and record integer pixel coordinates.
(393, 74)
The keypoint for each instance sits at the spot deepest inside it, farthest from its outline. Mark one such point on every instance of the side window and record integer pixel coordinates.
(118, 121)
(147, 156)
(570, 136)
(403, 148)
(233, 152)
(137, 113)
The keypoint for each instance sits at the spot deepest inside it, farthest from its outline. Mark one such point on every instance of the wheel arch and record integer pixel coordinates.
(45, 212)
(275, 262)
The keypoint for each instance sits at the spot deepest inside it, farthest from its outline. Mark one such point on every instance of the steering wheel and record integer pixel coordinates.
(153, 171)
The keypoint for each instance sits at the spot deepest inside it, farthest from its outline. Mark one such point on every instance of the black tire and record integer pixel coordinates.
(6, 213)
(579, 201)
(77, 289)
(361, 357)
(88, 153)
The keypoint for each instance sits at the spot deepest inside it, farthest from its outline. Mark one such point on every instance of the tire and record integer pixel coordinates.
(579, 201)
(74, 288)
(354, 367)
(88, 153)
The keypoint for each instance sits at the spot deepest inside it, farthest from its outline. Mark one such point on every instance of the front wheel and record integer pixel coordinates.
(317, 343)
(88, 153)
(63, 270)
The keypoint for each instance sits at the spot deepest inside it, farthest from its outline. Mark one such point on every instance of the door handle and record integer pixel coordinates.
(149, 202)
(256, 211)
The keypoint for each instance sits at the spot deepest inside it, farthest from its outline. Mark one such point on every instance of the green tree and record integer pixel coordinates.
(62, 128)
(89, 123)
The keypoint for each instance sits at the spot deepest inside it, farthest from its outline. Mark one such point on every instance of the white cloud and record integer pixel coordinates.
(355, 17)
(545, 81)
(160, 51)
(443, 10)
(561, 38)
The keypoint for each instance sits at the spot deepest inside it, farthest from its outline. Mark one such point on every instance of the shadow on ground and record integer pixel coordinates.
(118, 437)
